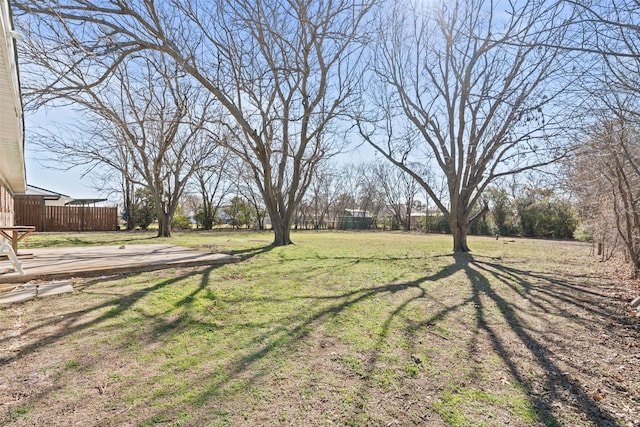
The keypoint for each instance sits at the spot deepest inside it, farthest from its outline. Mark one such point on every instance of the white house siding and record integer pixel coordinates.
(12, 170)
(6, 206)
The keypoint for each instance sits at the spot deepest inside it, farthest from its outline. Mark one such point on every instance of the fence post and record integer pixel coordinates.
(42, 213)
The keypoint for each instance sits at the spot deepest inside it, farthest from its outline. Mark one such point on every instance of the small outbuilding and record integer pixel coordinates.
(354, 219)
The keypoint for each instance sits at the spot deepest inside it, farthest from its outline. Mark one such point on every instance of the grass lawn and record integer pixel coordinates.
(340, 329)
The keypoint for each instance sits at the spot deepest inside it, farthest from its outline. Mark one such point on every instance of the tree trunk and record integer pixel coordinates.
(282, 233)
(164, 225)
(207, 220)
(131, 219)
(407, 225)
(636, 266)
(129, 205)
(460, 238)
(207, 214)
(459, 229)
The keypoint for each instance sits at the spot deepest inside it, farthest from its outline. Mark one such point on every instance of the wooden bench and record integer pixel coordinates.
(15, 233)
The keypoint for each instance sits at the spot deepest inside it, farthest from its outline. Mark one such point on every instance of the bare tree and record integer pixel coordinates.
(349, 192)
(242, 178)
(146, 121)
(370, 193)
(322, 196)
(605, 174)
(608, 29)
(399, 190)
(285, 70)
(605, 177)
(212, 183)
(467, 89)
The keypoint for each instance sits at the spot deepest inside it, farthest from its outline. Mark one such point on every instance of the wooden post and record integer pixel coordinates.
(42, 214)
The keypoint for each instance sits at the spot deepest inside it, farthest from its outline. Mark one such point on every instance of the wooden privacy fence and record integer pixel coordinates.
(31, 210)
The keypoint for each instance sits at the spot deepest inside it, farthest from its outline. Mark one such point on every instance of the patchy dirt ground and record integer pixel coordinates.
(482, 340)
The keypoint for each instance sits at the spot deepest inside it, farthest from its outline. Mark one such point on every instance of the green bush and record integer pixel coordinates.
(546, 218)
(241, 212)
(180, 221)
(207, 218)
(582, 234)
(144, 209)
(437, 224)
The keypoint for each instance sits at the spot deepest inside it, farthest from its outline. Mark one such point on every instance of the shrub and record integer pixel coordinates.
(582, 234)
(180, 221)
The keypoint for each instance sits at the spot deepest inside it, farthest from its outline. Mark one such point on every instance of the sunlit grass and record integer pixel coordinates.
(325, 328)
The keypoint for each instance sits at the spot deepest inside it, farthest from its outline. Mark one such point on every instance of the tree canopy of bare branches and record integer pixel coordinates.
(284, 70)
(468, 89)
(146, 121)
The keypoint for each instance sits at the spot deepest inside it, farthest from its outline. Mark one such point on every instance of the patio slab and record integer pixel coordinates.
(30, 291)
(64, 263)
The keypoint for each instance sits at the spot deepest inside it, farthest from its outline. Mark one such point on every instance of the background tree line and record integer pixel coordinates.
(390, 201)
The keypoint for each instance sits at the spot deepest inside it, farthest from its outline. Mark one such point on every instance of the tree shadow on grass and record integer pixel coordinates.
(247, 253)
(73, 323)
(559, 386)
(294, 329)
(486, 280)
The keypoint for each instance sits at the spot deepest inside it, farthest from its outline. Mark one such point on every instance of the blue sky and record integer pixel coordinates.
(67, 182)
(43, 173)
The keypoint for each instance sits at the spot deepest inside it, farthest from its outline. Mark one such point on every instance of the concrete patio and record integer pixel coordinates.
(64, 263)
